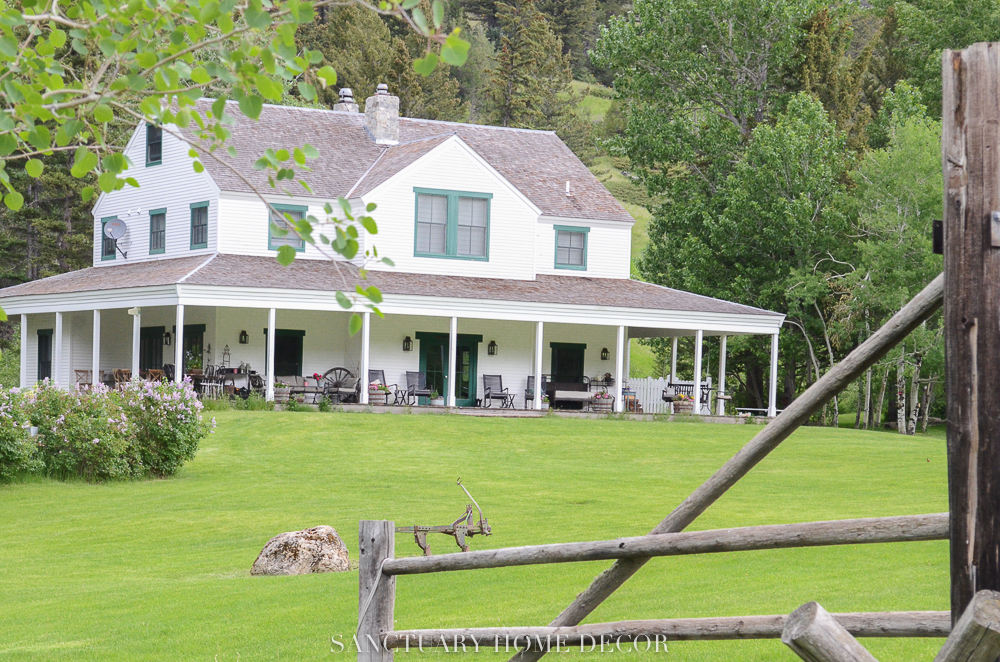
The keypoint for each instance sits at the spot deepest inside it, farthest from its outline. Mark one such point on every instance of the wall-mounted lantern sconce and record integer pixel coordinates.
(407, 344)
(166, 338)
(244, 337)
(492, 348)
(605, 354)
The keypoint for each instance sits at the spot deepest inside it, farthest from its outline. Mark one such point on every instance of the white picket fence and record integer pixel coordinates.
(649, 393)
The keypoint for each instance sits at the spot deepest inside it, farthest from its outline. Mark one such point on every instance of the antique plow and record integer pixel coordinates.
(460, 528)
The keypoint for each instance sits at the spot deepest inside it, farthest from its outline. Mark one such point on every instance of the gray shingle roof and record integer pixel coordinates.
(324, 275)
(538, 163)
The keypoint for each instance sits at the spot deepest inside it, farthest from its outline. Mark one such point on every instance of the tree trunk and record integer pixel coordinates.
(911, 424)
(877, 414)
(928, 402)
(857, 415)
(868, 397)
(901, 392)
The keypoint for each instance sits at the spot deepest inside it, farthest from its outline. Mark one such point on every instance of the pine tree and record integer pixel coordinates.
(433, 97)
(573, 21)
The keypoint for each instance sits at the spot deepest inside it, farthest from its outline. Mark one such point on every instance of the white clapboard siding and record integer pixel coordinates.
(173, 185)
(609, 249)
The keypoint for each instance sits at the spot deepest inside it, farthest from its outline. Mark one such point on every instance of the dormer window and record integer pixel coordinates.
(452, 224)
(274, 242)
(154, 145)
(571, 247)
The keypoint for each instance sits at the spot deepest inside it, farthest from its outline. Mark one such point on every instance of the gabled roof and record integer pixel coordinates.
(537, 163)
(324, 275)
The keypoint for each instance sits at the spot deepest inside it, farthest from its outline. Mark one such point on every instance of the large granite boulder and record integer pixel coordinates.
(318, 549)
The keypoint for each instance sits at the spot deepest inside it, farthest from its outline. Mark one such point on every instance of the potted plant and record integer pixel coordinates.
(437, 400)
(378, 390)
(281, 392)
(683, 404)
(601, 401)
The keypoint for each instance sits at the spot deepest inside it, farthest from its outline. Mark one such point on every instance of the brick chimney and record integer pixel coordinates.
(346, 102)
(382, 116)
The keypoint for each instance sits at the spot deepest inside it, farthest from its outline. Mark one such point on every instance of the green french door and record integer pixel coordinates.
(434, 364)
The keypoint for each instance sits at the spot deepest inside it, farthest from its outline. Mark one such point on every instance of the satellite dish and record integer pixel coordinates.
(115, 229)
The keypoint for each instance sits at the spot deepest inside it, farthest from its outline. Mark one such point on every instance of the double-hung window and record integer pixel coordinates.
(452, 224)
(108, 245)
(199, 225)
(157, 231)
(154, 145)
(571, 247)
(285, 236)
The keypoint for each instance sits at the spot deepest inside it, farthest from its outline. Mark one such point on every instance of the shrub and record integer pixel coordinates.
(253, 402)
(17, 449)
(166, 424)
(83, 433)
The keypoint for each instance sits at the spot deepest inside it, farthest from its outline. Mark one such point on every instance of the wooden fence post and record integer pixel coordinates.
(970, 154)
(976, 637)
(816, 636)
(377, 592)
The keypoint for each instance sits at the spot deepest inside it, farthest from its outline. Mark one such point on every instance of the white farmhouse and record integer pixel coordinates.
(511, 259)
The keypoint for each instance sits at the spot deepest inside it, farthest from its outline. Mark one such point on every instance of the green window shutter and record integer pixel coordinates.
(452, 224)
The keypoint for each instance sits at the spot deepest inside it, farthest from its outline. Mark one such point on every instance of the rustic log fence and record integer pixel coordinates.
(971, 162)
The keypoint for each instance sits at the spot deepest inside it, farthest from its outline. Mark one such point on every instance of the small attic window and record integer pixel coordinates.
(154, 145)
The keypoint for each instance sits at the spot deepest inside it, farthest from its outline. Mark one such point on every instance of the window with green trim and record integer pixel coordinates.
(452, 224)
(199, 225)
(571, 247)
(154, 145)
(108, 245)
(157, 231)
(284, 235)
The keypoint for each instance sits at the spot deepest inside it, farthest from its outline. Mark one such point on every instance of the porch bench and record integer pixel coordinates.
(570, 396)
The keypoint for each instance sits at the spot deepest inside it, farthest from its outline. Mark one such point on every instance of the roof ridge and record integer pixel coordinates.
(365, 174)
(198, 268)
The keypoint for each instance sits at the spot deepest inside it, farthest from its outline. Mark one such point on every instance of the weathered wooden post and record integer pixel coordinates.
(976, 636)
(816, 636)
(970, 153)
(377, 592)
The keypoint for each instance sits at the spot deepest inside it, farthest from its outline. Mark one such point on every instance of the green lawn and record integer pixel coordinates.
(159, 570)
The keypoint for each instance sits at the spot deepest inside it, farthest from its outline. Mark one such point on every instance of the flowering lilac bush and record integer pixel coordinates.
(167, 424)
(146, 429)
(17, 452)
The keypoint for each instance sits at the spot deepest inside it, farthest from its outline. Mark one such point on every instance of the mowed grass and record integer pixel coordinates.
(159, 570)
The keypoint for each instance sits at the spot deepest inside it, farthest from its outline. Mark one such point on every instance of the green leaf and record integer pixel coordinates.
(327, 75)
(374, 294)
(200, 75)
(251, 105)
(388, 262)
(87, 193)
(425, 66)
(370, 207)
(58, 38)
(8, 143)
(269, 88)
(355, 324)
(103, 113)
(281, 155)
(299, 156)
(410, 4)
(455, 50)
(34, 168)
(369, 224)
(231, 151)
(310, 151)
(218, 107)
(198, 167)
(344, 302)
(307, 91)
(8, 47)
(14, 201)
(85, 161)
(420, 20)
(256, 18)
(437, 10)
(107, 181)
(286, 255)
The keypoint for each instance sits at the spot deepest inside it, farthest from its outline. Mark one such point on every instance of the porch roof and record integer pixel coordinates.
(254, 272)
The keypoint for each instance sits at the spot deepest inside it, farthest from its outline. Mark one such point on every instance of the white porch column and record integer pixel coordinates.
(24, 351)
(269, 368)
(673, 361)
(136, 326)
(698, 338)
(366, 337)
(452, 356)
(57, 354)
(95, 353)
(721, 404)
(772, 387)
(179, 345)
(619, 369)
(539, 386)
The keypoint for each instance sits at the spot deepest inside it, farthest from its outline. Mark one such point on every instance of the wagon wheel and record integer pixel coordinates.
(336, 379)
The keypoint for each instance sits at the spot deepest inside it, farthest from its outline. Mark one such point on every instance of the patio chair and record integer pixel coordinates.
(529, 393)
(122, 376)
(211, 382)
(416, 387)
(154, 375)
(379, 376)
(340, 385)
(82, 378)
(493, 390)
(168, 371)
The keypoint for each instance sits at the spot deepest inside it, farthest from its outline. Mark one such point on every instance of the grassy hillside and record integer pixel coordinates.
(159, 570)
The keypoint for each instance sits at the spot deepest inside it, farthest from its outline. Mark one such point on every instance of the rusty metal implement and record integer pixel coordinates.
(460, 528)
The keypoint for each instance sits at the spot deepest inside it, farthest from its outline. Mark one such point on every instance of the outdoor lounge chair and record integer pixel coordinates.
(416, 387)
(379, 377)
(529, 393)
(493, 390)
